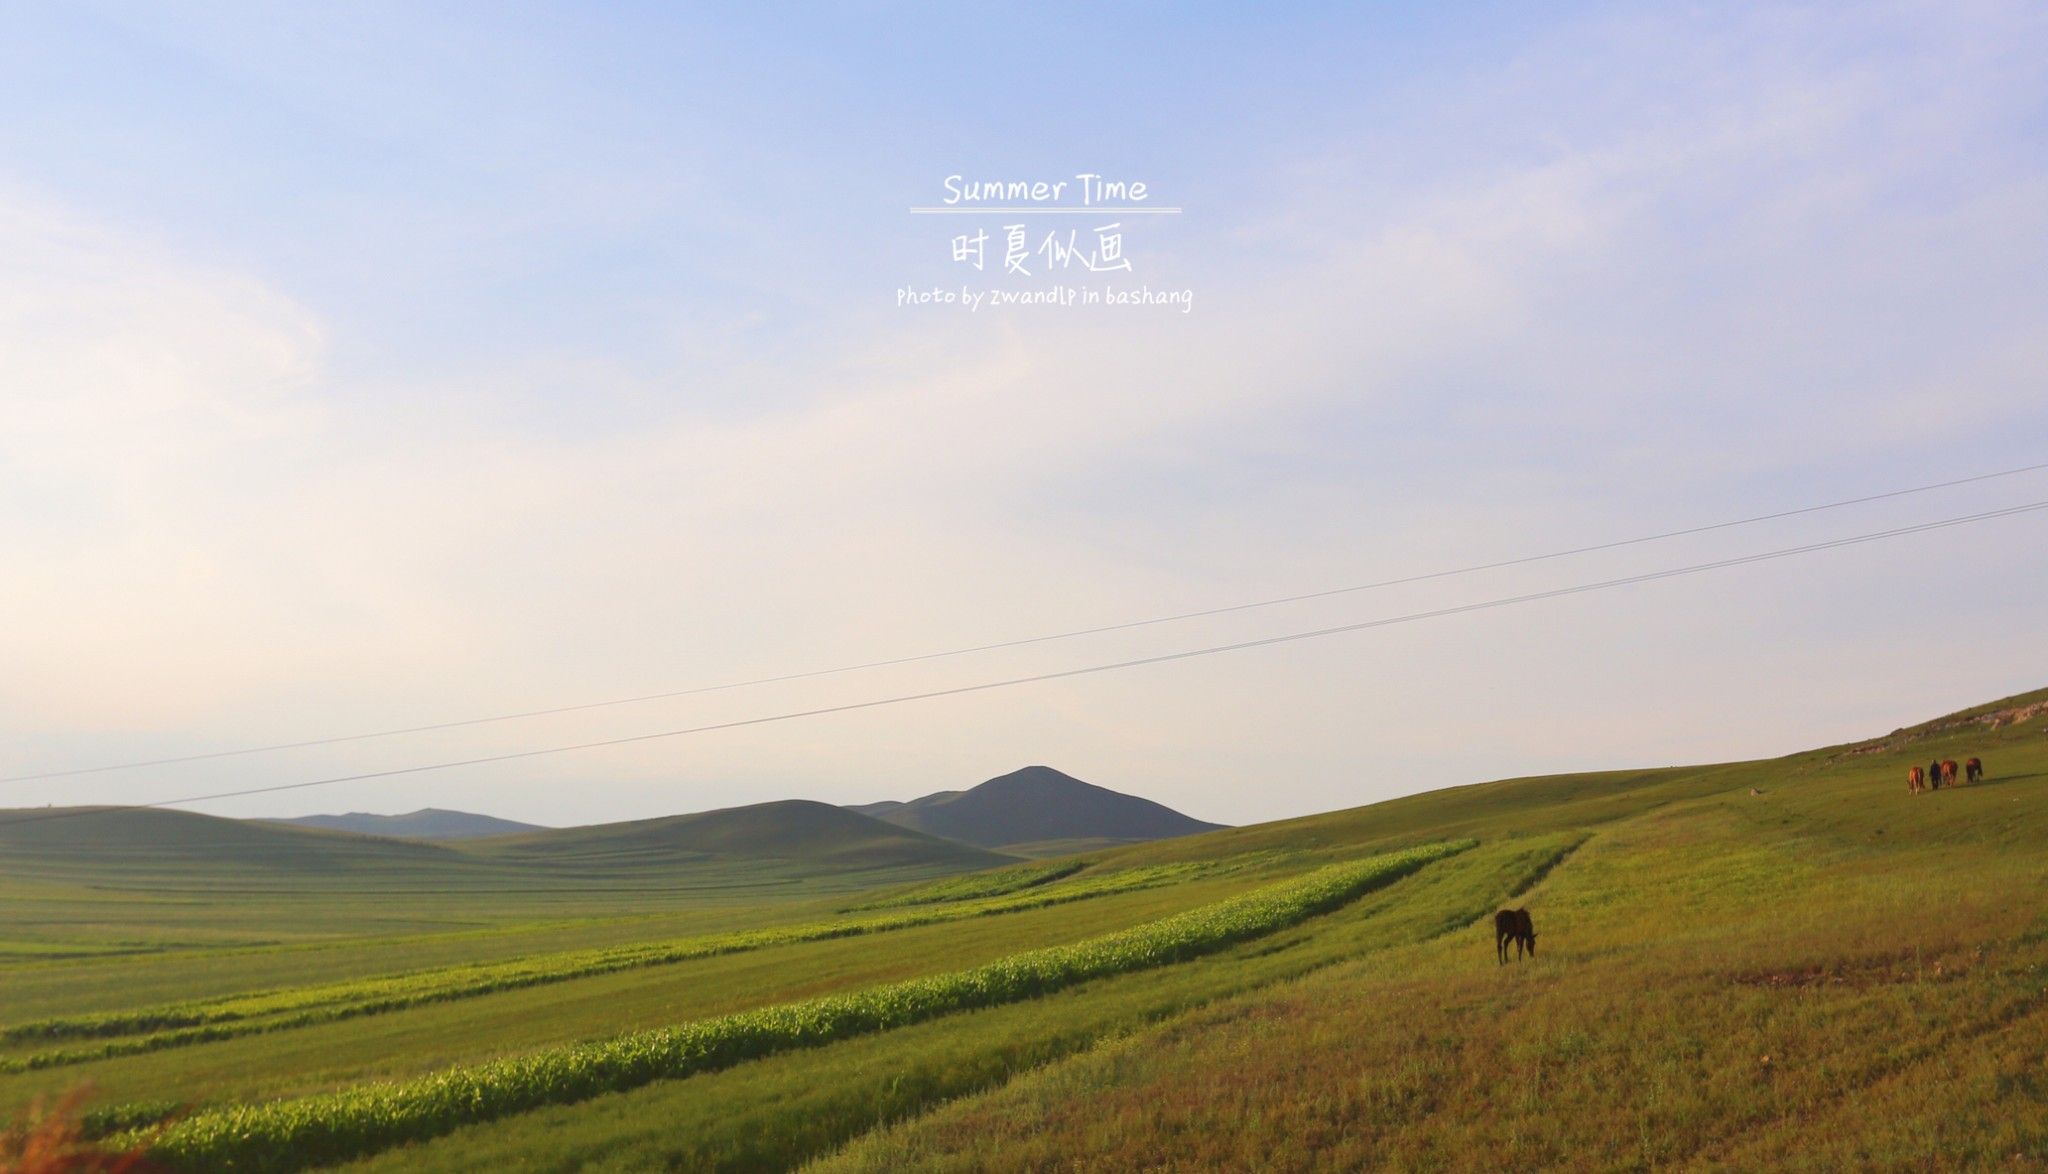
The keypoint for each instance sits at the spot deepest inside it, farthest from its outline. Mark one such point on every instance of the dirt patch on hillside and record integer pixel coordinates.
(1993, 720)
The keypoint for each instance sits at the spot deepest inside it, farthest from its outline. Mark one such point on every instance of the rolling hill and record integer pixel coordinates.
(113, 842)
(765, 846)
(428, 823)
(1746, 965)
(817, 835)
(1038, 805)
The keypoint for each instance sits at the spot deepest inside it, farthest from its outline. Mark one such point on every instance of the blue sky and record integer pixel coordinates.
(380, 364)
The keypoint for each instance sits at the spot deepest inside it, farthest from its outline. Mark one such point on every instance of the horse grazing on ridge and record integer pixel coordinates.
(1513, 925)
(1916, 780)
(1974, 770)
(1948, 772)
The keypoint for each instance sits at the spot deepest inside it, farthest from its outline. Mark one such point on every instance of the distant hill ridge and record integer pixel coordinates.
(428, 823)
(784, 829)
(1035, 805)
(1036, 811)
(765, 845)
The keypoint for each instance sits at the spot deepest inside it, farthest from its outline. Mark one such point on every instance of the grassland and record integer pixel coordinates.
(156, 1028)
(1825, 974)
(976, 885)
(1780, 963)
(290, 1134)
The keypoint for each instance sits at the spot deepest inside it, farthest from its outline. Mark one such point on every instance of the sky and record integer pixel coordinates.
(382, 365)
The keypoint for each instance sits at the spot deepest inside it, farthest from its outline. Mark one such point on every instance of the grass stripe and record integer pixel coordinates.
(327, 1127)
(159, 1028)
(976, 885)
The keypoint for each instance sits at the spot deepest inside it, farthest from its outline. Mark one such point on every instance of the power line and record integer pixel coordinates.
(1163, 658)
(1017, 643)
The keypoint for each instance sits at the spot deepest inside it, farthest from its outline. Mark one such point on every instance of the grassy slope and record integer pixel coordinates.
(124, 881)
(114, 845)
(778, 1111)
(420, 1039)
(1829, 973)
(161, 851)
(1054, 849)
(428, 823)
(793, 829)
(1695, 929)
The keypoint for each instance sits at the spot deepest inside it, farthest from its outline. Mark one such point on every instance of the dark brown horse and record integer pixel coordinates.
(1948, 772)
(1916, 780)
(1934, 775)
(1974, 770)
(1513, 925)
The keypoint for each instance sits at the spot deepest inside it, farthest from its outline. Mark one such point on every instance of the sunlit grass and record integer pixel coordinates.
(292, 1134)
(1827, 973)
(1752, 965)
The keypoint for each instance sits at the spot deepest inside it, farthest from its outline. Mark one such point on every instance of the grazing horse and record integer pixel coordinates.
(1513, 925)
(1948, 772)
(1974, 770)
(1934, 775)
(1916, 780)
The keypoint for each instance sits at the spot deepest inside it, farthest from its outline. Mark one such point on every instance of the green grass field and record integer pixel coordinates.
(1789, 962)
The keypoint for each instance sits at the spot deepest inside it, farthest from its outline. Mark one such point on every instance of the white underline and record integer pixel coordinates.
(1044, 211)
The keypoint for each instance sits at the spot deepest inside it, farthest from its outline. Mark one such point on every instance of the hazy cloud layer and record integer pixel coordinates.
(424, 447)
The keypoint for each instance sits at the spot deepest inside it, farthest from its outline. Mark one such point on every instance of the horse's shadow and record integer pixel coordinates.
(1995, 781)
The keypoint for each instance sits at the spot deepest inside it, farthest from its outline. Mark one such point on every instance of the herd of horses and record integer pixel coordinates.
(1936, 775)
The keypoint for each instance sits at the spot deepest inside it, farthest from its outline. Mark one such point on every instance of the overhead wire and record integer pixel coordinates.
(993, 646)
(1064, 674)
